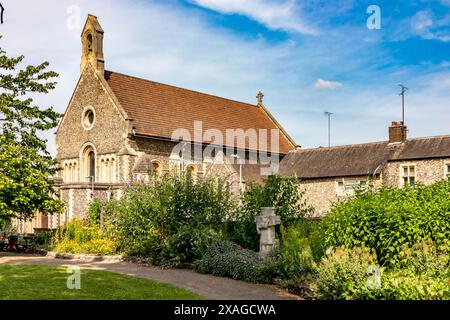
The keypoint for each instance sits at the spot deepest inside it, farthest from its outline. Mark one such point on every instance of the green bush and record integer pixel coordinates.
(227, 259)
(402, 285)
(343, 273)
(189, 244)
(67, 246)
(423, 274)
(94, 212)
(171, 219)
(43, 237)
(313, 230)
(389, 219)
(294, 255)
(282, 193)
(77, 237)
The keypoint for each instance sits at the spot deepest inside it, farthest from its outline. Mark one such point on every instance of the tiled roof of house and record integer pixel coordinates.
(423, 148)
(157, 110)
(360, 159)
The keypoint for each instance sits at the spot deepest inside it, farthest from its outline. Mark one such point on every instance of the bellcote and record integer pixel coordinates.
(92, 44)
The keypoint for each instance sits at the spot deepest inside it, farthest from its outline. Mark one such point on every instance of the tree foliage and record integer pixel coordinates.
(26, 166)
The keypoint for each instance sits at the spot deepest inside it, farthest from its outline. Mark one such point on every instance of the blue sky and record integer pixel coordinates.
(307, 56)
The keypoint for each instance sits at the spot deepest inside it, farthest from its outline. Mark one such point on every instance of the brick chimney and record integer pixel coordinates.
(397, 132)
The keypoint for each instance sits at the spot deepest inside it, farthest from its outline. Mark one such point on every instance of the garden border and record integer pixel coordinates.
(81, 256)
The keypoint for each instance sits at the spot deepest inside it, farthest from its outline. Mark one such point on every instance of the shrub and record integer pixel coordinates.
(423, 273)
(343, 274)
(227, 259)
(43, 237)
(294, 255)
(77, 237)
(155, 220)
(98, 246)
(67, 246)
(94, 212)
(390, 219)
(189, 244)
(313, 230)
(282, 193)
(402, 285)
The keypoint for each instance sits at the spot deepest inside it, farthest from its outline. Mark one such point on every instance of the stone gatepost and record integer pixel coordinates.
(265, 225)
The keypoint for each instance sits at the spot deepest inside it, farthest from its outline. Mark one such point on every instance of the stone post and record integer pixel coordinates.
(265, 225)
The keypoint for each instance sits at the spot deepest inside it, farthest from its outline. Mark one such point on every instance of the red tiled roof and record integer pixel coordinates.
(158, 109)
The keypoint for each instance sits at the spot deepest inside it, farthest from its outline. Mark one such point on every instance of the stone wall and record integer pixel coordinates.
(322, 193)
(426, 171)
(110, 127)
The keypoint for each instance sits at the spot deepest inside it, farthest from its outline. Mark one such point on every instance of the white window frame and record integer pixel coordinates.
(408, 176)
(447, 170)
(346, 187)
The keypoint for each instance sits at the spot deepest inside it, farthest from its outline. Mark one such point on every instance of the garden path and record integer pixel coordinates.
(211, 287)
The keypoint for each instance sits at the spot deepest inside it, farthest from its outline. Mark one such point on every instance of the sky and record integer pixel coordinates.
(308, 57)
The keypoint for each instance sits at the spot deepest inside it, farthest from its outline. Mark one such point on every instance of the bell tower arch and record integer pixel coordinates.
(92, 43)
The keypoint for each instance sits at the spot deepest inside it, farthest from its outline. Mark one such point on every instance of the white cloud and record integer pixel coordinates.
(326, 84)
(173, 44)
(277, 15)
(427, 26)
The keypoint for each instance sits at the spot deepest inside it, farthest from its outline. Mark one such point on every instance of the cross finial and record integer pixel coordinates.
(260, 96)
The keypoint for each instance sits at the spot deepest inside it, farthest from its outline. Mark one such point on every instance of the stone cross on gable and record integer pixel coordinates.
(260, 97)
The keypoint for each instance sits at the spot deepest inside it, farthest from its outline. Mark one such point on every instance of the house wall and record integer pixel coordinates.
(427, 171)
(321, 193)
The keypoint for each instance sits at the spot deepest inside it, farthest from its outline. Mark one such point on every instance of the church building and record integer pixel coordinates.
(119, 129)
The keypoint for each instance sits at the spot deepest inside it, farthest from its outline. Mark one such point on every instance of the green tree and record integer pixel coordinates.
(26, 167)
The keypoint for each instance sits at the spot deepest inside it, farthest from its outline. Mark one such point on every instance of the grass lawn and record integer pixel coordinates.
(49, 283)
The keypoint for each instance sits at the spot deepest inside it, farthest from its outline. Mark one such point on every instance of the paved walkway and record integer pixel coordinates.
(211, 287)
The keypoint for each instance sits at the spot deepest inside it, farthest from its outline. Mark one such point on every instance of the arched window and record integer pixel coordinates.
(91, 157)
(89, 43)
(88, 163)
